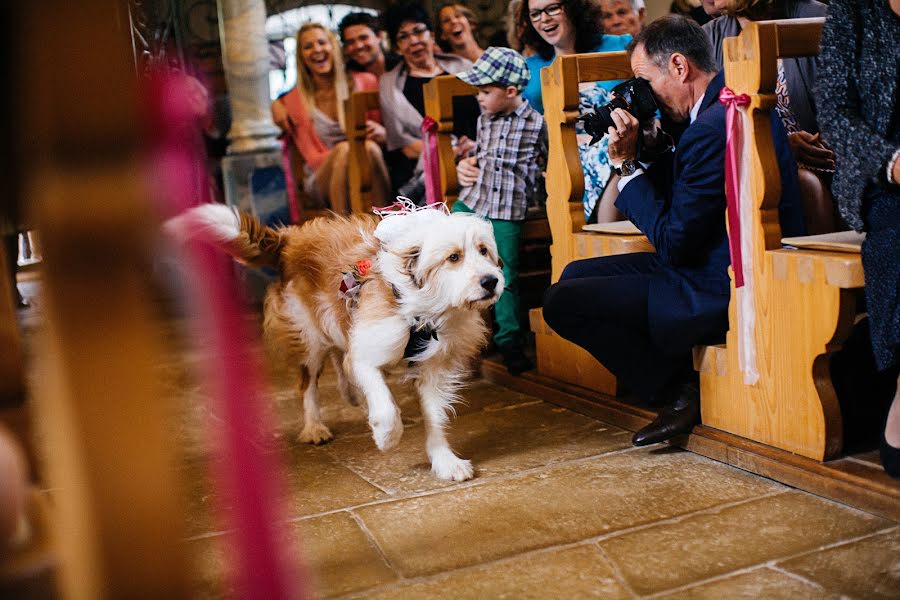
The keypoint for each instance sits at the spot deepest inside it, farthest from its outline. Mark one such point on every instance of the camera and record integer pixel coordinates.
(633, 95)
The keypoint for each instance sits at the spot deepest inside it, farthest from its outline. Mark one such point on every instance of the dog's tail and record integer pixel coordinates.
(236, 232)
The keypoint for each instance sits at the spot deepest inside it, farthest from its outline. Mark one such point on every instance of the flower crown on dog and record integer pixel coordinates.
(404, 206)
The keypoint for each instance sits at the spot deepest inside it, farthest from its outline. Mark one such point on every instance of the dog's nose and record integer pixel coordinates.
(489, 282)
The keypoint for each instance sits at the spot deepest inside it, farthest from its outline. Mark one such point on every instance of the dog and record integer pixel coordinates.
(408, 291)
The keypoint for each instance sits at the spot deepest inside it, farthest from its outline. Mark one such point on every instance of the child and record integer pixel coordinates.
(497, 181)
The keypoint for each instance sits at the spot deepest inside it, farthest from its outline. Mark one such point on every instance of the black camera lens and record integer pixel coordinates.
(633, 95)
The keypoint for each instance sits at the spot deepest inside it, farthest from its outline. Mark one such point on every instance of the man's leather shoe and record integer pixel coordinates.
(678, 417)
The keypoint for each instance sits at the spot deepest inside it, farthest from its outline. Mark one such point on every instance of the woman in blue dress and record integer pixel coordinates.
(560, 27)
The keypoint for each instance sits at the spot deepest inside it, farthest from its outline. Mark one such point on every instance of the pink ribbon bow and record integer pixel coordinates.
(733, 148)
(432, 168)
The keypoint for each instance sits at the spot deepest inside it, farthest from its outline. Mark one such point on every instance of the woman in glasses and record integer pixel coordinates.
(560, 27)
(402, 98)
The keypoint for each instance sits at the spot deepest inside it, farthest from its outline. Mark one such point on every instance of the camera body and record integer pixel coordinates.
(633, 95)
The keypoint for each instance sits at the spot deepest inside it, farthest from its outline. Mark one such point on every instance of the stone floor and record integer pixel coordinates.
(562, 506)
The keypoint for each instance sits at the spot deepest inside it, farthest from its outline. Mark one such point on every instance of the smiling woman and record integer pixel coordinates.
(402, 97)
(312, 114)
(457, 26)
(561, 27)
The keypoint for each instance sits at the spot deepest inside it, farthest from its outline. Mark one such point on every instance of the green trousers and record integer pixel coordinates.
(506, 312)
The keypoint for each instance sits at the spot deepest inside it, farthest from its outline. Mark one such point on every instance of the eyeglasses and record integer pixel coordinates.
(417, 31)
(551, 11)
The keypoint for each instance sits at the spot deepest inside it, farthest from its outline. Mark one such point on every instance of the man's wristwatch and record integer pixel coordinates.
(628, 167)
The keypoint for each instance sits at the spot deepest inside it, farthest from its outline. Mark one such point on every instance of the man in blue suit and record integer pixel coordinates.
(641, 314)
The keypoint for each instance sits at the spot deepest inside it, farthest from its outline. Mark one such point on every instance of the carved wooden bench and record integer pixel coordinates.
(804, 299)
(360, 169)
(534, 263)
(557, 357)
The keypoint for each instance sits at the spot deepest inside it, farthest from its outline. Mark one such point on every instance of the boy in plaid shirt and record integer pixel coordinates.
(498, 180)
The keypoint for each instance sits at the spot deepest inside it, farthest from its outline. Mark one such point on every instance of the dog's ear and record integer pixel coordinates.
(410, 259)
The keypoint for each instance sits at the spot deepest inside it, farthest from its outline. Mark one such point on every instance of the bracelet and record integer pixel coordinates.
(890, 167)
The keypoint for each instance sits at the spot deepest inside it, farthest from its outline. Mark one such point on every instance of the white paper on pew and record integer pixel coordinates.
(839, 241)
(746, 309)
(614, 227)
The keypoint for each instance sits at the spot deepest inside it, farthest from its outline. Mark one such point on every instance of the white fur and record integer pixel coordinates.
(429, 270)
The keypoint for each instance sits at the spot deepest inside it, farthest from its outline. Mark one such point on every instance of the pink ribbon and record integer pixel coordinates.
(432, 167)
(733, 149)
(289, 182)
(245, 472)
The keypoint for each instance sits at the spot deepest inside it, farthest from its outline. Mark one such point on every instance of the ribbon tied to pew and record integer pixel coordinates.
(430, 161)
(740, 232)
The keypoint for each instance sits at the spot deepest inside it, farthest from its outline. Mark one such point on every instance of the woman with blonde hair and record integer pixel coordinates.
(312, 113)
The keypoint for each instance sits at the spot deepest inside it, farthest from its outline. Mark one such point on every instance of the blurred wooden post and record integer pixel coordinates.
(107, 426)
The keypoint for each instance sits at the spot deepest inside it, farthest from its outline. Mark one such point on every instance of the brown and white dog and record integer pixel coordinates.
(432, 275)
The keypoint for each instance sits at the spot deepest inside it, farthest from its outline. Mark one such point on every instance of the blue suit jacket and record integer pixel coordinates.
(680, 207)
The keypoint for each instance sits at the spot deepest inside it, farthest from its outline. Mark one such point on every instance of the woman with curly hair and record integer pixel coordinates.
(561, 27)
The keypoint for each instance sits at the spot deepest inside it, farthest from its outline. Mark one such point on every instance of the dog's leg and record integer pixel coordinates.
(384, 416)
(435, 392)
(345, 387)
(314, 431)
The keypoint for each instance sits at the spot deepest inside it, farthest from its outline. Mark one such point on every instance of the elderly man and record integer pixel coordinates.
(641, 314)
(622, 17)
(363, 39)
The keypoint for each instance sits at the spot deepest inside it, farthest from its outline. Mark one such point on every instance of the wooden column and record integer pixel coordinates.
(106, 424)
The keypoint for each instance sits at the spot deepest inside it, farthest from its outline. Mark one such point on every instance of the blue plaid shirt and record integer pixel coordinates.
(507, 149)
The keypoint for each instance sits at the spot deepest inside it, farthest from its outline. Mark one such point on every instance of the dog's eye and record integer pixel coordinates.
(484, 251)
(453, 257)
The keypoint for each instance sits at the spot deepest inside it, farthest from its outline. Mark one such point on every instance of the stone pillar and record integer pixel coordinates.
(252, 173)
(245, 56)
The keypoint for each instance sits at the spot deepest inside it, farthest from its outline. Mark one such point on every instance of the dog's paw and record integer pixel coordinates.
(315, 433)
(449, 467)
(386, 429)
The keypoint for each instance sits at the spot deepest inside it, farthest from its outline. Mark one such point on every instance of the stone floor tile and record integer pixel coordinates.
(315, 484)
(497, 441)
(478, 523)
(340, 558)
(868, 568)
(758, 584)
(579, 572)
(707, 545)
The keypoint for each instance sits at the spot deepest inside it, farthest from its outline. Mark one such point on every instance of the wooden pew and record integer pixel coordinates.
(360, 169)
(559, 358)
(534, 268)
(439, 94)
(804, 299)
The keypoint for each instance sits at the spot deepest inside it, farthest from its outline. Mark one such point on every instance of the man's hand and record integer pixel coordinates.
(281, 117)
(375, 132)
(810, 150)
(623, 137)
(467, 171)
(413, 150)
(463, 147)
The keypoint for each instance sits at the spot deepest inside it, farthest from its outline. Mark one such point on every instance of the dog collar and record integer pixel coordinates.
(418, 340)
